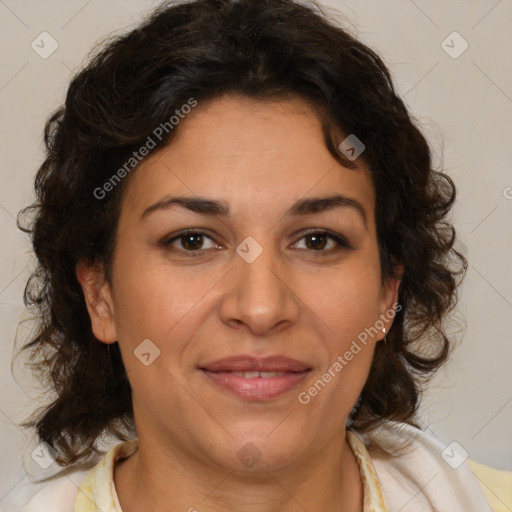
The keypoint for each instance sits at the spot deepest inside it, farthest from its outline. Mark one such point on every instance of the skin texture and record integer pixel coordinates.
(302, 300)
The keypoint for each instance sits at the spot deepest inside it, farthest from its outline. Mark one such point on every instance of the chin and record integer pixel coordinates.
(258, 453)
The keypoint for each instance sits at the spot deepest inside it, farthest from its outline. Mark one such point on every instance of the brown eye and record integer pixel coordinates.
(318, 241)
(193, 242)
(189, 241)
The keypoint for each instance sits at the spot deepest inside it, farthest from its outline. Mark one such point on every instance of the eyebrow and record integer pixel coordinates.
(211, 207)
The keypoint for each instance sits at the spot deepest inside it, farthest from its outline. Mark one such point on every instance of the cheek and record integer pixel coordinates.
(167, 308)
(331, 395)
(347, 309)
(348, 303)
(149, 298)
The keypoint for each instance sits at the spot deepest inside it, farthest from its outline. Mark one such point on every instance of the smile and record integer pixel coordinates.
(256, 385)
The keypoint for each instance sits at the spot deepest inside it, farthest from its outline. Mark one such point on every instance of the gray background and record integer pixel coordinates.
(464, 105)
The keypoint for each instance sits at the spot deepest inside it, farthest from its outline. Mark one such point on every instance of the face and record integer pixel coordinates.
(262, 272)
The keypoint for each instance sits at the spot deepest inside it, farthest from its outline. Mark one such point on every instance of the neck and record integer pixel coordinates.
(152, 479)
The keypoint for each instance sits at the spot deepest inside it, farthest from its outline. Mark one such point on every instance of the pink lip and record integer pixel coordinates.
(257, 388)
(245, 363)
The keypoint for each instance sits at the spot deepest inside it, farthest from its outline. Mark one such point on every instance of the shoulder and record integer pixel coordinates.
(90, 487)
(422, 474)
(496, 485)
(56, 495)
(51, 488)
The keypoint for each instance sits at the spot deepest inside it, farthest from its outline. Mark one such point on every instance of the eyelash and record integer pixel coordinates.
(340, 240)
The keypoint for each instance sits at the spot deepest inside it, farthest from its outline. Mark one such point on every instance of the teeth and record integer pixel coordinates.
(247, 375)
(263, 375)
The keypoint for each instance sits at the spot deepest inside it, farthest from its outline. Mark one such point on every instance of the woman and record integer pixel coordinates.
(245, 267)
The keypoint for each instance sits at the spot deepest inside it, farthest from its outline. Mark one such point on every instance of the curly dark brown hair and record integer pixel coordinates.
(203, 49)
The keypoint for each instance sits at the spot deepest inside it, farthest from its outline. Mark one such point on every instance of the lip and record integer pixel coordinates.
(246, 363)
(291, 373)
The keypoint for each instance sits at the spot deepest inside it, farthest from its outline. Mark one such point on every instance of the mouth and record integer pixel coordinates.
(255, 375)
(256, 379)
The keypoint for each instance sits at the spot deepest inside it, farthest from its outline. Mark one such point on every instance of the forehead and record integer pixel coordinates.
(250, 153)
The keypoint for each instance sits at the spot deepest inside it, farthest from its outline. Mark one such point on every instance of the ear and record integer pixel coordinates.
(388, 301)
(98, 298)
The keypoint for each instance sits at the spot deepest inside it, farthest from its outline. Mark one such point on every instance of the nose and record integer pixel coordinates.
(260, 295)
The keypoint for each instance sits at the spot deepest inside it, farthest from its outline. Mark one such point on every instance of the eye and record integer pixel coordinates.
(191, 240)
(318, 240)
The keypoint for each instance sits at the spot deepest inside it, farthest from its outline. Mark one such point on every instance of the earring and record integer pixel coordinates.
(384, 330)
